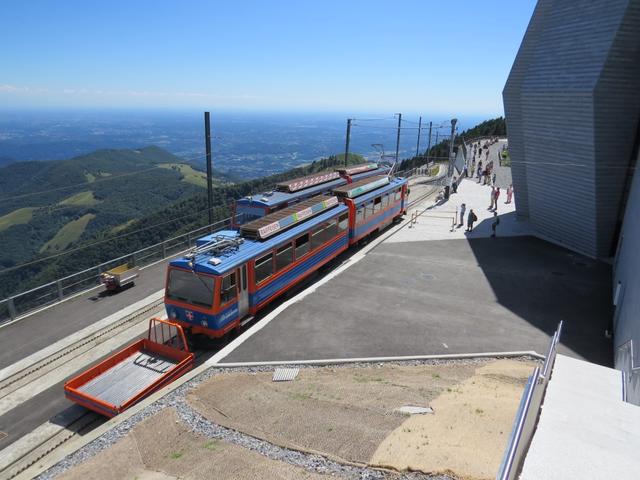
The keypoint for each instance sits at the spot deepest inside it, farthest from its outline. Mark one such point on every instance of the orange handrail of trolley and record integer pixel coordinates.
(134, 372)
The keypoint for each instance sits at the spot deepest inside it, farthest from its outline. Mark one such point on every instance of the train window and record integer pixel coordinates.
(385, 201)
(228, 288)
(368, 210)
(264, 267)
(302, 245)
(359, 215)
(377, 205)
(317, 237)
(331, 230)
(187, 286)
(284, 256)
(343, 222)
(397, 195)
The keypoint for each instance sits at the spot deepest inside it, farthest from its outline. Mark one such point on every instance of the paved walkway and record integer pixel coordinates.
(503, 174)
(435, 221)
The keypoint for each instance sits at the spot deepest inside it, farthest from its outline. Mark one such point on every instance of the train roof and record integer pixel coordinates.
(394, 182)
(275, 198)
(360, 187)
(302, 183)
(360, 168)
(269, 225)
(247, 249)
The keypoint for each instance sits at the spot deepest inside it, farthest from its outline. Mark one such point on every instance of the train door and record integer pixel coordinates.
(243, 291)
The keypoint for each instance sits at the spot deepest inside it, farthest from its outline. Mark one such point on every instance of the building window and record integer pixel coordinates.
(284, 256)
(302, 245)
(264, 267)
(228, 288)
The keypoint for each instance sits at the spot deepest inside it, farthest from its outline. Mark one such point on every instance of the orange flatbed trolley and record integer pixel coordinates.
(135, 372)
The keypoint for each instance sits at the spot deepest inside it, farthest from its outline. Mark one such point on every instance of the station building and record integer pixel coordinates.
(572, 107)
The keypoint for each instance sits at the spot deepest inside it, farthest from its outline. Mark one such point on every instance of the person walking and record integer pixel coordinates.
(494, 225)
(463, 208)
(495, 202)
(509, 193)
(479, 174)
(493, 179)
(492, 198)
(454, 185)
(470, 220)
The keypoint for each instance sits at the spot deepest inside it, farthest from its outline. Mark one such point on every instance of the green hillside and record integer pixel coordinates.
(42, 202)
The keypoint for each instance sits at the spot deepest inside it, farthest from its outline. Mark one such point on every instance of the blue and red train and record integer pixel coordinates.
(231, 275)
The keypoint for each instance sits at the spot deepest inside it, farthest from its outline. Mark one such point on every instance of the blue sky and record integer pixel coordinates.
(336, 56)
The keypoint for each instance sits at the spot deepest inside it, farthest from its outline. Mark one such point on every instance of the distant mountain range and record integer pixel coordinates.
(47, 206)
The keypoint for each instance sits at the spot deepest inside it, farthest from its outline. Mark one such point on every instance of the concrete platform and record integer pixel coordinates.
(443, 297)
(585, 430)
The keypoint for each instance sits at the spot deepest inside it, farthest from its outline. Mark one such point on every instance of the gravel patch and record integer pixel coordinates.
(200, 425)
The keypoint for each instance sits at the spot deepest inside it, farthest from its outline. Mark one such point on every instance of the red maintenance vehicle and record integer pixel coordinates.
(135, 372)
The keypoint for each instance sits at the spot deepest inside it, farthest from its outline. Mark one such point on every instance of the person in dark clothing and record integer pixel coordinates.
(454, 185)
(470, 219)
(494, 225)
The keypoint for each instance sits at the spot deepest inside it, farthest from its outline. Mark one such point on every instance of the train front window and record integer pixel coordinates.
(189, 287)
(228, 288)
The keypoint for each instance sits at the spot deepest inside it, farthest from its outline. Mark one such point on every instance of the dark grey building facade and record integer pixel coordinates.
(572, 106)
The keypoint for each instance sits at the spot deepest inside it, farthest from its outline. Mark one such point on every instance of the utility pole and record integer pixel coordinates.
(346, 147)
(453, 134)
(398, 139)
(207, 139)
(419, 131)
(429, 143)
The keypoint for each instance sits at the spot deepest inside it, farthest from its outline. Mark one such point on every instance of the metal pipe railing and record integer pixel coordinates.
(19, 304)
(527, 414)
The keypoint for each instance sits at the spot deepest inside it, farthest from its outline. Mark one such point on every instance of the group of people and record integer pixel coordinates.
(486, 176)
(471, 217)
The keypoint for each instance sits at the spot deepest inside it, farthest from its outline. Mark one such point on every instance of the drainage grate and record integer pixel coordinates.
(285, 374)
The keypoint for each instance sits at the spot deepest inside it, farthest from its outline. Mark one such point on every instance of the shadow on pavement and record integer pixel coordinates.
(543, 284)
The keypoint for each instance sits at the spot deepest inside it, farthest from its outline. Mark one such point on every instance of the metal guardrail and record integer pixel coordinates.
(626, 362)
(58, 290)
(527, 414)
(53, 292)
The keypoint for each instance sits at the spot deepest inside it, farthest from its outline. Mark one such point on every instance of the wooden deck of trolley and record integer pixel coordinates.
(352, 190)
(276, 222)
